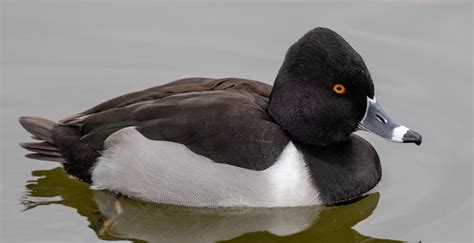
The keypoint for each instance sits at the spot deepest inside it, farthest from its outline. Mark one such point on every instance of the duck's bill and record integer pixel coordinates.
(380, 123)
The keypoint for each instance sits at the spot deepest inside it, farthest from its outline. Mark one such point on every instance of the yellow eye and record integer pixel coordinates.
(339, 89)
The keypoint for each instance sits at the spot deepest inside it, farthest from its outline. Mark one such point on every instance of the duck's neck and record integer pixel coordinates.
(342, 171)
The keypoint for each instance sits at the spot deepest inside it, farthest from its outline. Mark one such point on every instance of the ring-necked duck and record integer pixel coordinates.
(234, 142)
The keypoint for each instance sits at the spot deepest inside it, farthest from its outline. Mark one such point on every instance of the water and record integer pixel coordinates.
(61, 57)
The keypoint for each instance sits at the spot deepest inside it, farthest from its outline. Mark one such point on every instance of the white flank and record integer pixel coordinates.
(168, 172)
(290, 176)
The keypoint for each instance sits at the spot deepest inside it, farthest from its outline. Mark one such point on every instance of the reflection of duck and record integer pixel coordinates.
(233, 142)
(114, 218)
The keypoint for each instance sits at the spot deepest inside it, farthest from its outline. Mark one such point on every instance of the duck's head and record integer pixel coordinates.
(324, 92)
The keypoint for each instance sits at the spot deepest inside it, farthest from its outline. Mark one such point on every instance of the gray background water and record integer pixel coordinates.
(61, 57)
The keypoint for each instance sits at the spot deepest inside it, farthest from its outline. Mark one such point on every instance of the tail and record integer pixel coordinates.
(42, 130)
(60, 143)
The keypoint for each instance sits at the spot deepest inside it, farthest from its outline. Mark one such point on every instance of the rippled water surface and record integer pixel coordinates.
(61, 57)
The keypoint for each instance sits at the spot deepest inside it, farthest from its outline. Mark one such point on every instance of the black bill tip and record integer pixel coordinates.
(412, 137)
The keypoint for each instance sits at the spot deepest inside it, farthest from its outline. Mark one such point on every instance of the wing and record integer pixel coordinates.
(225, 120)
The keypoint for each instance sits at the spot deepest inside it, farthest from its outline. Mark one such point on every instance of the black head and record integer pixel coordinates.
(320, 94)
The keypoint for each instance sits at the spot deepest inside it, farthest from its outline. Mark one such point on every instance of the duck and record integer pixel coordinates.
(233, 142)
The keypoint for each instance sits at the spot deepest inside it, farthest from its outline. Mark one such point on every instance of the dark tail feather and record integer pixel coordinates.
(41, 129)
(44, 152)
(40, 145)
(45, 157)
(61, 143)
